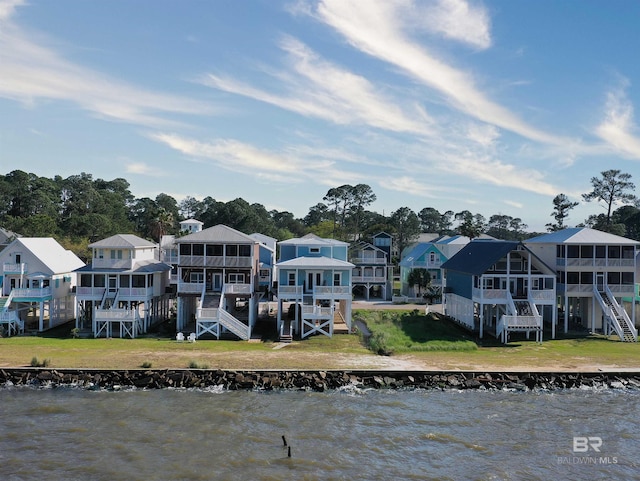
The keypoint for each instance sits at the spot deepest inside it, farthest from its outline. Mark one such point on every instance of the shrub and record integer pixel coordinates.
(36, 363)
(379, 343)
(197, 365)
(146, 365)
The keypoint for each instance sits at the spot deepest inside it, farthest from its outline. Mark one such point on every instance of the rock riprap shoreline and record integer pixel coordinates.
(313, 380)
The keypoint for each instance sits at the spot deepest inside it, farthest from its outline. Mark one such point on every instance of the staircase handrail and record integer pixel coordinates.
(9, 299)
(239, 328)
(622, 313)
(609, 313)
(500, 329)
(104, 298)
(510, 304)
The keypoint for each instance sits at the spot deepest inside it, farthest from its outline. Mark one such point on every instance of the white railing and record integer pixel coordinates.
(13, 268)
(622, 314)
(14, 324)
(129, 321)
(31, 292)
(190, 287)
(90, 291)
(234, 325)
(8, 301)
(542, 295)
(237, 288)
(134, 292)
(599, 262)
(207, 313)
(285, 292)
(609, 313)
(332, 290)
(368, 260)
(355, 279)
(522, 322)
(479, 293)
(317, 311)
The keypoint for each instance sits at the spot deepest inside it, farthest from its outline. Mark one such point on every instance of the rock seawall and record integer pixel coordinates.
(313, 380)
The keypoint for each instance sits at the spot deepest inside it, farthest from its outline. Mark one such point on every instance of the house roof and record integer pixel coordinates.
(477, 256)
(140, 267)
(416, 252)
(315, 263)
(55, 258)
(581, 235)
(122, 241)
(220, 234)
(191, 221)
(313, 240)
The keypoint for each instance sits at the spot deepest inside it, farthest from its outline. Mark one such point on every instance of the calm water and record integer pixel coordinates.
(71, 434)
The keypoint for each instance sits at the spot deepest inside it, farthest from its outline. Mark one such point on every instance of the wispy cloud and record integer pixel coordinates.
(141, 168)
(381, 31)
(317, 88)
(458, 20)
(32, 72)
(618, 128)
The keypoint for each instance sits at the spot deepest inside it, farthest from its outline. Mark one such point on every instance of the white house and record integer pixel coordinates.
(596, 271)
(124, 289)
(37, 278)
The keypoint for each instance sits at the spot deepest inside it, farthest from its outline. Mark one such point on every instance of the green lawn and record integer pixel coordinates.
(410, 331)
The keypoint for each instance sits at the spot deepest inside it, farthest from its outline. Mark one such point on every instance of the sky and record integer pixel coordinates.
(489, 106)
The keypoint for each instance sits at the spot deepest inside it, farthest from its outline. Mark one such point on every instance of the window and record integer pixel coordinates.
(85, 280)
(99, 281)
(116, 253)
(586, 252)
(292, 278)
(337, 278)
(627, 278)
(628, 252)
(560, 250)
(198, 249)
(586, 278)
(214, 250)
(232, 251)
(613, 252)
(196, 277)
(185, 249)
(236, 278)
(137, 281)
(100, 253)
(548, 283)
(244, 251)
(573, 277)
(601, 252)
(573, 252)
(314, 250)
(613, 278)
(125, 281)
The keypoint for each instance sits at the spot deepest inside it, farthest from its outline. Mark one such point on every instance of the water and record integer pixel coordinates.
(73, 434)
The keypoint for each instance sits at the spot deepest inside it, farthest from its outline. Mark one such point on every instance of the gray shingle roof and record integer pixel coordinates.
(581, 235)
(220, 233)
(122, 241)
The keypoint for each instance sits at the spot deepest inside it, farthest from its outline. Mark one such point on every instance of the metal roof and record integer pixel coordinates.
(581, 235)
(313, 240)
(416, 252)
(122, 241)
(477, 256)
(141, 267)
(316, 263)
(218, 234)
(53, 256)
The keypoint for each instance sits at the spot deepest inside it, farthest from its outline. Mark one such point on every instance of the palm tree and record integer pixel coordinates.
(419, 277)
(161, 225)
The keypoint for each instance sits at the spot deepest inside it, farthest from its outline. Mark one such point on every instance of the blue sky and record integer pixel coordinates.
(492, 107)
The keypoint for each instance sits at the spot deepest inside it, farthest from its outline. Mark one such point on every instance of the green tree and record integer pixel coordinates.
(431, 220)
(561, 207)
(406, 225)
(612, 187)
(419, 277)
(470, 225)
(362, 196)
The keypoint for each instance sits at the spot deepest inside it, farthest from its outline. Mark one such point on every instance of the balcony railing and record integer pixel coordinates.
(190, 287)
(332, 291)
(237, 288)
(289, 292)
(599, 262)
(355, 279)
(111, 263)
(215, 261)
(13, 268)
(31, 293)
(368, 260)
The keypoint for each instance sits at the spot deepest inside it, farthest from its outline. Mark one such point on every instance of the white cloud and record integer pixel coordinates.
(317, 88)
(140, 168)
(618, 128)
(380, 30)
(513, 203)
(32, 72)
(460, 21)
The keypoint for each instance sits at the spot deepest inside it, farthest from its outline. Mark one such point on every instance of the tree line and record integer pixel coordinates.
(79, 209)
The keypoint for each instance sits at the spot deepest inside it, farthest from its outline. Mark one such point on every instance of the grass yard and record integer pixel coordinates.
(410, 331)
(411, 340)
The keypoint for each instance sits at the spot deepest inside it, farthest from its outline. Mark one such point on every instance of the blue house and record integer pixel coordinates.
(314, 278)
(500, 287)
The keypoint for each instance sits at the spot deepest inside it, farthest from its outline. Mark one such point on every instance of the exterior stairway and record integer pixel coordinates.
(616, 316)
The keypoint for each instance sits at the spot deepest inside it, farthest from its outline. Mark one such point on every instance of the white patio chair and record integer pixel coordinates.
(179, 337)
(192, 337)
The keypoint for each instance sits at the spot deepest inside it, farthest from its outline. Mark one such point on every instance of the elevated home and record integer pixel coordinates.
(371, 274)
(500, 287)
(169, 248)
(384, 241)
(37, 282)
(267, 262)
(430, 256)
(218, 286)
(595, 271)
(314, 277)
(123, 291)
